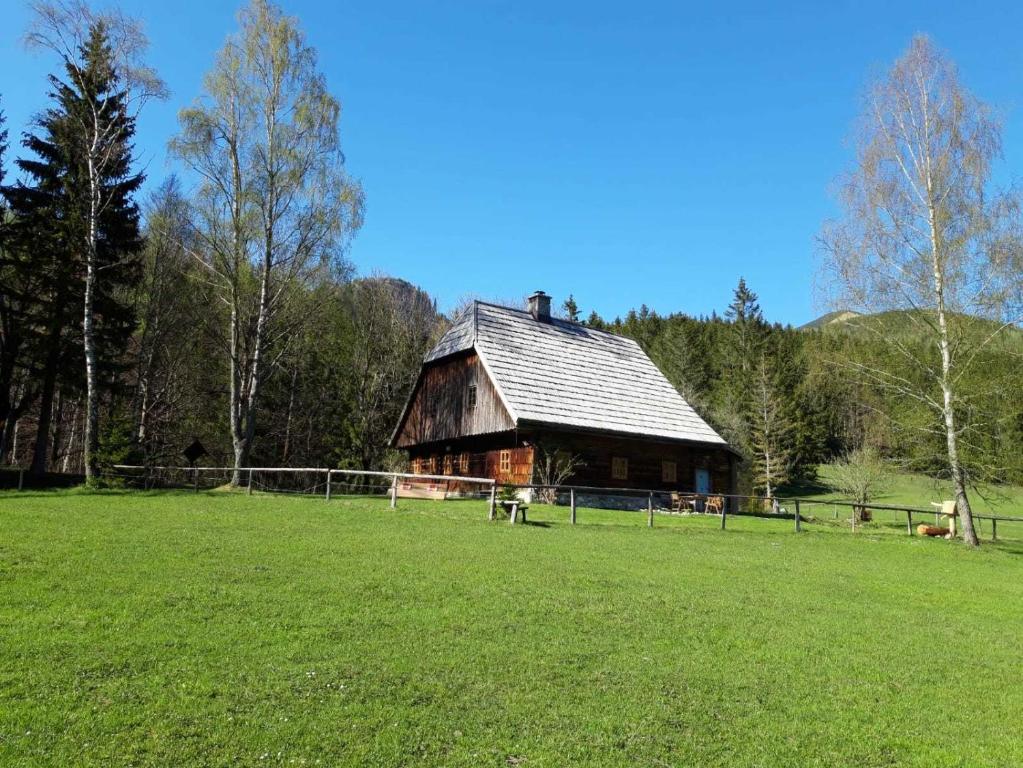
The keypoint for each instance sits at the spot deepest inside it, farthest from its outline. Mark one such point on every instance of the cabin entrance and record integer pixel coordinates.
(702, 483)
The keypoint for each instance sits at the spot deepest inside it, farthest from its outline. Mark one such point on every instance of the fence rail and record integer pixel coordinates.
(248, 477)
(733, 503)
(788, 508)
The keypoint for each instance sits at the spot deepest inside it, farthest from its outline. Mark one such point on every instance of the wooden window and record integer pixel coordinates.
(619, 468)
(470, 400)
(505, 461)
(669, 472)
(463, 463)
(431, 466)
(449, 464)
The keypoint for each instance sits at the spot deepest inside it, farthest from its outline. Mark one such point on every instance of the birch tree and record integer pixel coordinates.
(103, 56)
(275, 206)
(923, 231)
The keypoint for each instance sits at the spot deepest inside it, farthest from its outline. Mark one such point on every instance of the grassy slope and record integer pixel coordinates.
(227, 630)
(912, 490)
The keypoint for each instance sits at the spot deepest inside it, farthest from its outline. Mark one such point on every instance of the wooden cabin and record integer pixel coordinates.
(504, 385)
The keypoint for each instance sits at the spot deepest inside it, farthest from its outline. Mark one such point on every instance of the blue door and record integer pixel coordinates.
(703, 481)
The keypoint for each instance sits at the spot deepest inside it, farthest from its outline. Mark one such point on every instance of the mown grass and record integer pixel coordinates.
(914, 490)
(218, 629)
(906, 489)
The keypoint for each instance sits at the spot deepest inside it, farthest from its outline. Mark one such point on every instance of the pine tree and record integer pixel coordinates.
(746, 333)
(595, 321)
(8, 320)
(748, 327)
(770, 429)
(571, 309)
(78, 213)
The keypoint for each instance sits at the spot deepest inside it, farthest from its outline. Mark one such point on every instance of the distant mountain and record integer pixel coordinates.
(838, 316)
(907, 322)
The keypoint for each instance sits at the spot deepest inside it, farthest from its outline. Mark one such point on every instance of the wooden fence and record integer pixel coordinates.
(790, 508)
(732, 507)
(246, 476)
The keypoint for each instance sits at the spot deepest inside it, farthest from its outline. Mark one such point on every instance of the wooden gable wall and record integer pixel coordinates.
(439, 409)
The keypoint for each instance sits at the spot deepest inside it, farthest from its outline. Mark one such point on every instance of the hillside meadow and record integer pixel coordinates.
(215, 629)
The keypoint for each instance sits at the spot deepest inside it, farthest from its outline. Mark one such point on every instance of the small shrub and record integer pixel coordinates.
(862, 475)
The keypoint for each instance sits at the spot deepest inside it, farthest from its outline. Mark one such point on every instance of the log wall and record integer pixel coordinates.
(440, 408)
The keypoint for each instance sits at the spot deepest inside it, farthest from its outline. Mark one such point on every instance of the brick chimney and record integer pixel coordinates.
(540, 307)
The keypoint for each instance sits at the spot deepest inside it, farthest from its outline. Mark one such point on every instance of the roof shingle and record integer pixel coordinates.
(567, 374)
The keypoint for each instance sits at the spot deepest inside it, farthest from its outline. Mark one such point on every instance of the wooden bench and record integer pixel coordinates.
(514, 507)
(684, 502)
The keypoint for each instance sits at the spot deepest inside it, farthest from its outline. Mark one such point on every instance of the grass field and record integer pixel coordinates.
(221, 630)
(913, 490)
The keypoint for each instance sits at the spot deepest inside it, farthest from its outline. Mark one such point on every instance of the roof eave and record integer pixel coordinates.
(527, 423)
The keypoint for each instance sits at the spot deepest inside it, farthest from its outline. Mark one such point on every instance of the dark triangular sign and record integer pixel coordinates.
(194, 452)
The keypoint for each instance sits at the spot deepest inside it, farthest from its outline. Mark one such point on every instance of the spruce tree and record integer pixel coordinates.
(746, 332)
(19, 300)
(78, 212)
(571, 309)
(748, 328)
(771, 428)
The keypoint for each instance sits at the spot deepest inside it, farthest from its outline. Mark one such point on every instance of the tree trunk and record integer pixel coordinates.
(91, 441)
(58, 429)
(7, 431)
(66, 464)
(41, 450)
(234, 398)
(958, 478)
(948, 400)
(287, 421)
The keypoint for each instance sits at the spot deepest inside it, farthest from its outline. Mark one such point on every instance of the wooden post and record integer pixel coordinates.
(394, 492)
(195, 479)
(798, 526)
(21, 479)
(571, 499)
(994, 529)
(493, 501)
(909, 522)
(514, 511)
(250, 482)
(650, 510)
(327, 494)
(724, 514)
(854, 518)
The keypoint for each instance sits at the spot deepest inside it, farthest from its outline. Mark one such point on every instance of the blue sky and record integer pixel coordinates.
(627, 153)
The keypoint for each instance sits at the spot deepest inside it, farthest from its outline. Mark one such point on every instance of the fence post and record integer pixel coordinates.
(909, 522)
(994, 529)
(798, 526)
(394, 492)
(571, 498)
(250, 483)
(724, 514)
(329, 489)
(650, 510)
(21, 478)
(493, 501)
(195, 479)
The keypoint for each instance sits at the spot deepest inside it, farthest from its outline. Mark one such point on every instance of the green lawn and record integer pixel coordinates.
(913, 490)
(216, 629)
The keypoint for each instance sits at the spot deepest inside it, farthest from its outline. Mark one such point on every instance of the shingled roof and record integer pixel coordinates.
(556, 372)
